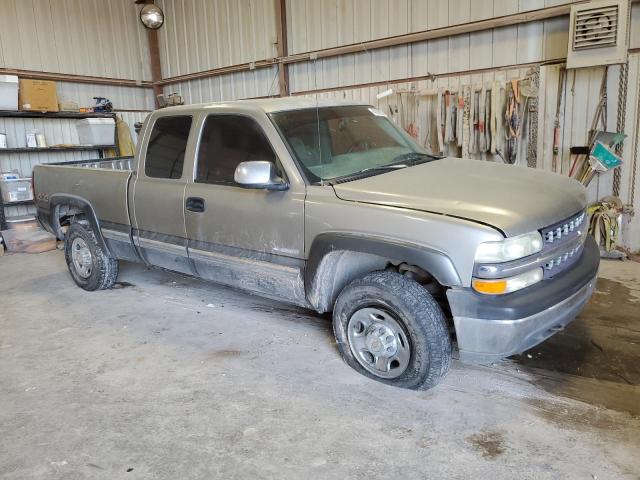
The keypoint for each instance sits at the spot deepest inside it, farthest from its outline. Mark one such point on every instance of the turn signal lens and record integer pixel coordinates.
(507, 285)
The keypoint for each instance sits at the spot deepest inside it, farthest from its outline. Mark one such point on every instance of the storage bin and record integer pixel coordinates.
(8, 92)
(96, 131)
(16, 190)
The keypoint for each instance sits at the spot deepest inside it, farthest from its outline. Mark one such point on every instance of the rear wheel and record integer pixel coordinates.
(90, 267)
(389, 328)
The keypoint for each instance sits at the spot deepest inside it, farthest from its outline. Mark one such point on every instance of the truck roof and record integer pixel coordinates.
(267, 105)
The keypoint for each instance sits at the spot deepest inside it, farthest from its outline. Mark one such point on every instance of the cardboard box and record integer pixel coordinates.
(38, 96)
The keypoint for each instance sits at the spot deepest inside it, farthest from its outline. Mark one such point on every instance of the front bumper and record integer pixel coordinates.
(489, 328)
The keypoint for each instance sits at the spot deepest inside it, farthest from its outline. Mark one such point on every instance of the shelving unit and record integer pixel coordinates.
(54, 149)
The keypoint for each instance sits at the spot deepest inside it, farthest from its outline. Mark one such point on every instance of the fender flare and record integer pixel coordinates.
(433, 261)
(58, 199)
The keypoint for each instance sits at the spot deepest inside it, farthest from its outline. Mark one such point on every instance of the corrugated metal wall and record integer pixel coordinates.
(318, 24)
(205, 34)
(262, 82)
(84, 37)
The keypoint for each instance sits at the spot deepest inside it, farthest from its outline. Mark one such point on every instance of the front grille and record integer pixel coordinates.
(562, 261)
(570, 228)
(570, 233)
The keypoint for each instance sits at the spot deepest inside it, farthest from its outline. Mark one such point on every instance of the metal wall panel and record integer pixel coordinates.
(84, 37)
(480, 50)
(204, 34)
(256, 83)
(317, 24)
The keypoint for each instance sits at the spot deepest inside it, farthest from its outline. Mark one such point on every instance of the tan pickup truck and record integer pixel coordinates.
(330, 206)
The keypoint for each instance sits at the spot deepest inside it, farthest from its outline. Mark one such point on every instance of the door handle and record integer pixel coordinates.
(195, 204)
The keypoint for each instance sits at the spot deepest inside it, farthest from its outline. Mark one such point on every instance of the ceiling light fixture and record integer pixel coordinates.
(152, 16)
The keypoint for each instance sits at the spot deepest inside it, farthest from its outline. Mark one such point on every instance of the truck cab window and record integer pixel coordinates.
(167, 145)
(226, 141)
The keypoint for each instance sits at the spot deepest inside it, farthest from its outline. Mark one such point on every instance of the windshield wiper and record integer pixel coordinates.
(389, 166)
(416, 158)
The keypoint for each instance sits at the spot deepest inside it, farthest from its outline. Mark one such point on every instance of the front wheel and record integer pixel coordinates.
(389, 328)
(90, 267)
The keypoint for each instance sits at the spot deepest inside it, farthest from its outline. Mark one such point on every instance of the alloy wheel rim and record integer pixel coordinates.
(378, 342)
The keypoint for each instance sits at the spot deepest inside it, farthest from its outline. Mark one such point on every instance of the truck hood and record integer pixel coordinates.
(512, 199)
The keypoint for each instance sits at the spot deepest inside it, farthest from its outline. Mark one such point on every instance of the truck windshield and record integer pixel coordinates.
(339, 143)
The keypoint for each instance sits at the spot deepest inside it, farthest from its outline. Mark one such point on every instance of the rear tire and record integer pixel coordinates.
(90, 267)
(389, 328)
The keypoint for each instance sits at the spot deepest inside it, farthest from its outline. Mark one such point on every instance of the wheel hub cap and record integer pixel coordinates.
(81, 258)
(378, 342)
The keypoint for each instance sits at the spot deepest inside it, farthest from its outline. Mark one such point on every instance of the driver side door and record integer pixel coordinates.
(247, 238)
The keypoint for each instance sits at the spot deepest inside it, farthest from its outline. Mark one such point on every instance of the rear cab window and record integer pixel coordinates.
(167, 146)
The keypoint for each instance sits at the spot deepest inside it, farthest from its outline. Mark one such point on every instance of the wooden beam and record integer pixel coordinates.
(283, 49)
(72, 78)
(154, 60)
(428, 77)
(156, 67)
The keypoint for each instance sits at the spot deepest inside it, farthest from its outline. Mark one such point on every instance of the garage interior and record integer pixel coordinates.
(164, 375)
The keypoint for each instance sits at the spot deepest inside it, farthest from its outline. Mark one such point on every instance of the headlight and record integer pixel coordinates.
(509, 248)
(507, 285)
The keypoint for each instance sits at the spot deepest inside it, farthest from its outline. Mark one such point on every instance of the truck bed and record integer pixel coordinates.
(104, 183)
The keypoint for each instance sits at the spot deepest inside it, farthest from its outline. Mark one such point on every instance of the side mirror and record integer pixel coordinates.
(259, 174)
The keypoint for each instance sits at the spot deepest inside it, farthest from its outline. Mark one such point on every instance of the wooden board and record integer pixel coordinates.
(28, 240)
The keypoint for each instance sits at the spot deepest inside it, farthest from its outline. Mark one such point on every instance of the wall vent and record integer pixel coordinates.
(596, 27)
(598, 33)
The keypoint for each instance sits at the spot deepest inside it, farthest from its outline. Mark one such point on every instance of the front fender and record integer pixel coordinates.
(337, 258)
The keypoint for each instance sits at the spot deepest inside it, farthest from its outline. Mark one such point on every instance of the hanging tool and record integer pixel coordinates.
(529, 90)
(603, 222)
(512, 118)
(473, 121)
(495, 122)
(466, 121)
(482, 108)
(459, 118)
(487, 119)
(580, 161)
(556, 121)
(440, 120)
(448, 129)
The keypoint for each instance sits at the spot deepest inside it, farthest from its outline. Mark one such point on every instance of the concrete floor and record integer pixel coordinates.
(173, 378)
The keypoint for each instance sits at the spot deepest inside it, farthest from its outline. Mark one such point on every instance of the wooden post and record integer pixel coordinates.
(281, 28)
(156, 67)
(154, 58)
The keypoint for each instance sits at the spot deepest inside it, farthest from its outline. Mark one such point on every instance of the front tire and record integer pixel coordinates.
(389, 328)
(90, 267)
